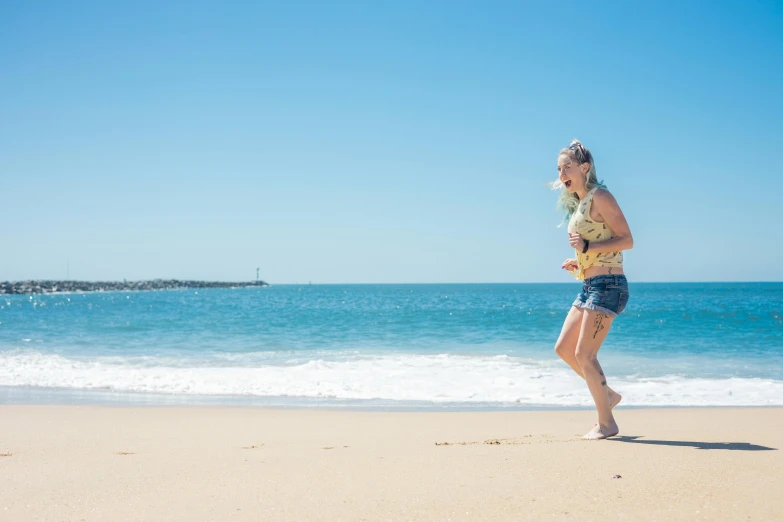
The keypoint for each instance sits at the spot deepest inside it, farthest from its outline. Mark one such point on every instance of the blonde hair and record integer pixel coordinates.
(568, 201)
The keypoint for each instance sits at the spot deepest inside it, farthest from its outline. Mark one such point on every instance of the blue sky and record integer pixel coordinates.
(360, 142)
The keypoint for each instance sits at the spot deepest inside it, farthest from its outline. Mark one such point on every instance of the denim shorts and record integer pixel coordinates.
(607, 294)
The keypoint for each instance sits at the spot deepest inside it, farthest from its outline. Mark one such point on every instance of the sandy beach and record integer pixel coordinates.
(220, 463)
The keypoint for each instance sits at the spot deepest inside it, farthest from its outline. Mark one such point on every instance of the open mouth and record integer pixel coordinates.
(567, 184)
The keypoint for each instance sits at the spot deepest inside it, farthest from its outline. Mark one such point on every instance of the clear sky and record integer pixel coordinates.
(369, 142)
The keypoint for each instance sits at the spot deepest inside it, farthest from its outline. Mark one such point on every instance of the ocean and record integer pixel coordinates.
(438, 346)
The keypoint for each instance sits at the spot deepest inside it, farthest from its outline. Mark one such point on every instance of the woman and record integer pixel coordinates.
(597, 230)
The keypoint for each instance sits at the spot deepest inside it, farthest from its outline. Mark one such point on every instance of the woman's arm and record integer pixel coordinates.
(611, 214)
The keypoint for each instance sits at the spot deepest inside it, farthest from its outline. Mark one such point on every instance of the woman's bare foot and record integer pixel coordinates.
(614, 398)
(602, 432)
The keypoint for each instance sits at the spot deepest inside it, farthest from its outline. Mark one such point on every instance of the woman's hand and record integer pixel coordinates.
(570, 265)
(576, 241)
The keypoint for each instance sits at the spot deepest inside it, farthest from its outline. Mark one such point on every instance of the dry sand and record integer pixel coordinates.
(205, 463)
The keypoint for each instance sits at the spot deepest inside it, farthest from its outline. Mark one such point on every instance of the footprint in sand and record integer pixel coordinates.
(506, 441)
(252, 447)
(5, 454)
(546, 439)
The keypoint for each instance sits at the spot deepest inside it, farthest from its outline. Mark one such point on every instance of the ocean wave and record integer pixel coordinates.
(443, 378)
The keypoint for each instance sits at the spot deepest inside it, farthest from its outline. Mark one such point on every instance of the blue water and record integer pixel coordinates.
(379, 345)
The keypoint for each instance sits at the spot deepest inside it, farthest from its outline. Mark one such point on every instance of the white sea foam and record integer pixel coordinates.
(430, 378)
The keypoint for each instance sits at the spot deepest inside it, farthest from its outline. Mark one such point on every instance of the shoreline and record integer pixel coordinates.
(220, 463)
(39, 396)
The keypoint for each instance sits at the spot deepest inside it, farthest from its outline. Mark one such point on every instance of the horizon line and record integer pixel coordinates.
(310, 283)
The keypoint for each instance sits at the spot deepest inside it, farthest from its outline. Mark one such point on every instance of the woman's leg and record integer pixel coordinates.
(565, 347)
(595, 327)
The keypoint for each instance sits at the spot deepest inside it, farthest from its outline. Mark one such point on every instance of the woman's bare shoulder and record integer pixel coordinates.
(604, 196)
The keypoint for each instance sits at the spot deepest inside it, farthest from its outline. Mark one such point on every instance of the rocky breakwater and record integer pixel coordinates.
(48, 287)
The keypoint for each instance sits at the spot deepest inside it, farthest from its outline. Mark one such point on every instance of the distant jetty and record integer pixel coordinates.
(50, 287)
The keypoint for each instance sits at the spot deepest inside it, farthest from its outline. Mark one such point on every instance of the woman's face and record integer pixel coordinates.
(572, 175)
